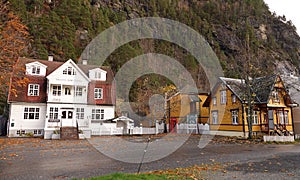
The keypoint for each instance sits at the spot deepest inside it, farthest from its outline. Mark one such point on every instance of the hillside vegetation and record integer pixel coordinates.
(236, 30)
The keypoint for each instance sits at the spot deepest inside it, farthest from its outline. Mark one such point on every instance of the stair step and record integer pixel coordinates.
(69, 133)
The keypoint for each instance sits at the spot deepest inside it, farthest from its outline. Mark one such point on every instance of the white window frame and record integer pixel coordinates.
(53, 113)
(275, 96)
(286, 117)
(280, 115)
(79, 91)
(35, 70)
(214, 116)
(283, 117)
(97, 75)
(255, 117)
(214, 99)
(235, 117)
(57, 90)
(98, 114)
(67, 91)
(69, 71)
(233, 98)
(33, 90)
(223, 97)
(79, 113)
(98, 93)
(31, 113)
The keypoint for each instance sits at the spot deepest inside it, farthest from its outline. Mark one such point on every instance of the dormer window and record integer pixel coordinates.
(69, 71)
(97, 75)
(35, 70)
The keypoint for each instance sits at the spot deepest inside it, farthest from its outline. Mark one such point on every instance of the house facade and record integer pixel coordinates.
(187, 108)
(228, 106)
(58, 95)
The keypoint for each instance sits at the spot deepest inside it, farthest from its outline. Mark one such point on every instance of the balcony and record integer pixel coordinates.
(67, 94)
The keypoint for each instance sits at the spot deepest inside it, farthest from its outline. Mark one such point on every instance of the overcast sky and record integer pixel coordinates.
(289, 8)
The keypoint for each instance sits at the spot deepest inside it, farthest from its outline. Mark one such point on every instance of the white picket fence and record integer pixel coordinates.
(184, 128)
(110, 129)
(181, 129)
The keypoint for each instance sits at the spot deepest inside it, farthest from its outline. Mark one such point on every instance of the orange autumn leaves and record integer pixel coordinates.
(14, 42)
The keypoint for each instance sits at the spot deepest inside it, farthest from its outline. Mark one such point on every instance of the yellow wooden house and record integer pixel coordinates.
(228, 107)
(183, 105)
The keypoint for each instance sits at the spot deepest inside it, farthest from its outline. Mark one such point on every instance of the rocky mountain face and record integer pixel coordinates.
(243, 34)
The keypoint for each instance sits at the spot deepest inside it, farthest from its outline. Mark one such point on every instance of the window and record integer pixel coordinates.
(97, 75)
(283, 117)
(98, 93)
(79, 113)
(53, 113)
(78, 91)
(33, 89)
(31, 113)
(275, 96)
(35, 70)
(56, 90)
(255, 117)
(214, 101)
(69, 71)
(233, 98)
(286, 117)
(235, 116)
(97, 114)
(214, 115)
(223, 97)
(67, 91)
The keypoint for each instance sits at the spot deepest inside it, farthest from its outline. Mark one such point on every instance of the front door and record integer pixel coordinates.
(271, 119)
(173, 125)
(67, 118)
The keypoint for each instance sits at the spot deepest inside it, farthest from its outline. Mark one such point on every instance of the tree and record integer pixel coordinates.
(14, 42)
(248, 71)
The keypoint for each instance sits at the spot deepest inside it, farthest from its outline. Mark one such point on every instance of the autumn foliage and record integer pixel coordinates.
(14, 42)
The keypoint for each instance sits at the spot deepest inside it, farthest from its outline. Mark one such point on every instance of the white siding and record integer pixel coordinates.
(18, 121)
(97, 74)
(70, 81)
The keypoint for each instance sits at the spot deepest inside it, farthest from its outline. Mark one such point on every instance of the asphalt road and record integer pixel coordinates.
(34, 158)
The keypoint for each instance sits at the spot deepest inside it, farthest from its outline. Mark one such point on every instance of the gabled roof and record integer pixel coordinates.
(36, 63)
(87, 68)
(123, 118)
(21, 95)
(51, 65)
(70, 61)
(263, 87)
(237, 86)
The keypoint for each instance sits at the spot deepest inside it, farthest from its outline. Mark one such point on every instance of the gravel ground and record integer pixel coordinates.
(34, 158)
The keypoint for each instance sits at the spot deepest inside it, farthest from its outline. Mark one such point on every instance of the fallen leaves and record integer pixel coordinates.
(195, 172)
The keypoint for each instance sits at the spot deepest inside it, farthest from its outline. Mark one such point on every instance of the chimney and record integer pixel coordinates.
(50, 57)
(84, 62)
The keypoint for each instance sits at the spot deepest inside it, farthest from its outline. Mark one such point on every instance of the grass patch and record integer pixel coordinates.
(123, 176)
(190, 173)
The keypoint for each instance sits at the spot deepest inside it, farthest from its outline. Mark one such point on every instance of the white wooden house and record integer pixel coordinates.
(58, 95)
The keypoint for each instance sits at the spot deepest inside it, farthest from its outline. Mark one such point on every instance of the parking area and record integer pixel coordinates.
(35, 158)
